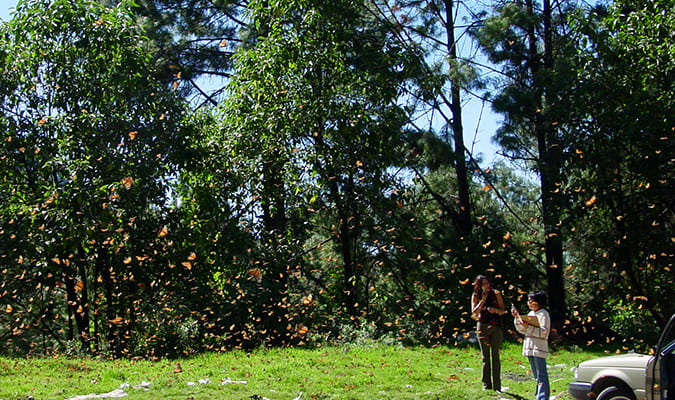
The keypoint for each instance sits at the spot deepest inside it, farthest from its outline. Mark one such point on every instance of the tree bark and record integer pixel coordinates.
(461, 170)
(549, 165)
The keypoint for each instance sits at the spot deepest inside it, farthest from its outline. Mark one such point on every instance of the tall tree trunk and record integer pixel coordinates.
(549, 165)
(348, 233)
(461, 171)
(103, 270)
(80, 310)
(275, 224)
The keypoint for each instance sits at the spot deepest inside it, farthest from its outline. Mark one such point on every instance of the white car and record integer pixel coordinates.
(630, 376)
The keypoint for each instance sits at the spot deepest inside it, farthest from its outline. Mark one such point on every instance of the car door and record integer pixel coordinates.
(661, 368)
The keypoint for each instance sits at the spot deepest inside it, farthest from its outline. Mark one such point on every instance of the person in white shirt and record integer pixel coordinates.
(536, 327)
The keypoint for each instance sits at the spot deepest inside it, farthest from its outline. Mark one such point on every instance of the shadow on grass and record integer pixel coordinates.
(507, 395)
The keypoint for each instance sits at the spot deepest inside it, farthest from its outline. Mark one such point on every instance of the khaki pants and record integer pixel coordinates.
(490, 340)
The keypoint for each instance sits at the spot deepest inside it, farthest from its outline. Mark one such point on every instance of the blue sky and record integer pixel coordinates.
(5, 5)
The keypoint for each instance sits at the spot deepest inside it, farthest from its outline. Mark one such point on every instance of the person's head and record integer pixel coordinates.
(482, 283)
(536, 300)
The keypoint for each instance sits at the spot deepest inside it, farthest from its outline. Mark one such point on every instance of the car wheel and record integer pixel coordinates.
(616, 393)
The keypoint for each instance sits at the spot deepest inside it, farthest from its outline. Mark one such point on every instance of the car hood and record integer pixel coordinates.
(631, 360)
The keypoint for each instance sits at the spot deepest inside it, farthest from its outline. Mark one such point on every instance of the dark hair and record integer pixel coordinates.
(539, 297)
(478, 284)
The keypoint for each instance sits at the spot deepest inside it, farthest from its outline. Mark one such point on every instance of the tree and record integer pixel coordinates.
(621, 141)
(193, 42)
(91, 142)
(529, 41)
(318, 95)
(441, 74)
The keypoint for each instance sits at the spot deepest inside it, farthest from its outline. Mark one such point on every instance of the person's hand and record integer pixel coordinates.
(516, 316)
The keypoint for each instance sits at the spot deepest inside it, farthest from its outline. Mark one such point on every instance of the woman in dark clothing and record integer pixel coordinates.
(487, 307)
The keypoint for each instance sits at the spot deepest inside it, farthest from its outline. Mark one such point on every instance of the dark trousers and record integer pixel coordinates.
(490, 340)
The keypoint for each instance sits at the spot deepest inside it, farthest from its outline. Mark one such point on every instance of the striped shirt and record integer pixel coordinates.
(535, 343)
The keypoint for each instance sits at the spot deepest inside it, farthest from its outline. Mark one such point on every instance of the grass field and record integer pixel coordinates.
(347, 372)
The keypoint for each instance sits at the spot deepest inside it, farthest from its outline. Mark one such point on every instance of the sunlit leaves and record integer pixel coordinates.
(321, 175)
(291, 217)
(622, 109)
(86, 188)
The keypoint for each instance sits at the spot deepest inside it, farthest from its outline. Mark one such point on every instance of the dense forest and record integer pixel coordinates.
(180, 176)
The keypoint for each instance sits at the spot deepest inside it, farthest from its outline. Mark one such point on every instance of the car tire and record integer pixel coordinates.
(616, 393)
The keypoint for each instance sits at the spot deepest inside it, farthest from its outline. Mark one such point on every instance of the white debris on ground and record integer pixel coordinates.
(143, 385)
(121, 392)
(204, 381)
(115, 394)
(228, 381)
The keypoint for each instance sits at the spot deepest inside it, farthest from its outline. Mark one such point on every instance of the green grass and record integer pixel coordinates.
(370, 372)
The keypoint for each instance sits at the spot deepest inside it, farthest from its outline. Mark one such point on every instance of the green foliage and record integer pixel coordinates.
(629, 320)
(530, 43)
(622, 165)
(192, 43)
(312, 208)
(90, 142)
(319, 97)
